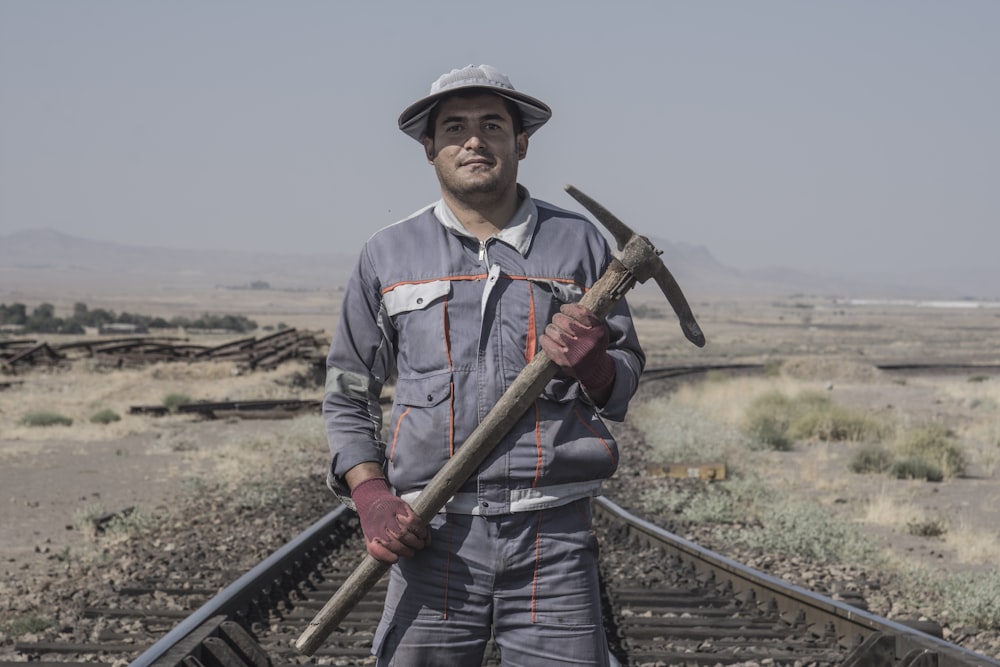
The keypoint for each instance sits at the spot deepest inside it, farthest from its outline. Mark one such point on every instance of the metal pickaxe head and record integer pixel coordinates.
(643, 260)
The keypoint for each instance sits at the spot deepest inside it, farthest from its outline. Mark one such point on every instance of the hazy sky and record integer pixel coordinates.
(823, 136)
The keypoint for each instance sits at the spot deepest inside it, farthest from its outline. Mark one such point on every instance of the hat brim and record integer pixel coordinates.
(534, 112)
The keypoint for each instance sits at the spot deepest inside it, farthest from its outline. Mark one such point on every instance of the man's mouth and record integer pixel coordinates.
(477, 161)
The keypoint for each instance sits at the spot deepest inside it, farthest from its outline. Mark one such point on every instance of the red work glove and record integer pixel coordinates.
(577, 341)
(391, 527)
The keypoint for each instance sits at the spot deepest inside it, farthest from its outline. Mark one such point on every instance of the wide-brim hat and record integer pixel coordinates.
(534, 112)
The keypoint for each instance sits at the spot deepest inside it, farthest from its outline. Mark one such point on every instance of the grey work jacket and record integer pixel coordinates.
(454, 320)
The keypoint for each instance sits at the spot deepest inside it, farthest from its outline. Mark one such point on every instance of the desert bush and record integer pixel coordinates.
(927, 528)
(720, 502)
(870, 459)
(680, 433)
(971, 599)
(105, 416)
(776, 421)
(45, 418)
(23, 625)
(174, 401)
(767, 420)
(915, 467)
(664, 500)
(723, 503)
(829, 422)
(128, 523)
(710, 504)
(715, 505)
(133, 520)
(935, 445)
(806, 530)
(83, 518)
(979, 378)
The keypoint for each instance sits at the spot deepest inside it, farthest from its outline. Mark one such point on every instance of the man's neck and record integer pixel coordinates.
(481, 217)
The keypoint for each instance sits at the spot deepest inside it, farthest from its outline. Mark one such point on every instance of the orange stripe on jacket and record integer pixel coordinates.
(481, 276)
(597, 435)
(531, 343)
(395, 434)
(451, 385)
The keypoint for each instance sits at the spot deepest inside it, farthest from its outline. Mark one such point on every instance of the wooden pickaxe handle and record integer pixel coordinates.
(521, 395)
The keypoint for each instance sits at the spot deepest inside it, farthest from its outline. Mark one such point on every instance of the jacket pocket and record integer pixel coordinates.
(422, 436)
(423, 392)
(416, 296)
(418, 313)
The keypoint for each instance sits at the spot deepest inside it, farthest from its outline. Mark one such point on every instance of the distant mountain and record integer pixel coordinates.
(62, 256)
(53, 258)
(698, 272)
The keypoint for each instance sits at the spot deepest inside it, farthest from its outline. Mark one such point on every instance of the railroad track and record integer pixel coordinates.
(668, 602)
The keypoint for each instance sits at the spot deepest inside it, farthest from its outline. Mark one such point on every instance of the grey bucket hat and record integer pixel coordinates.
(534, 113)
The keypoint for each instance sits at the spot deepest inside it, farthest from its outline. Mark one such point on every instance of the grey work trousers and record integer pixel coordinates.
(530, 579)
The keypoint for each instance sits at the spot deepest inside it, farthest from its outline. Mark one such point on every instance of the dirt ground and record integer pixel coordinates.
(50, 476)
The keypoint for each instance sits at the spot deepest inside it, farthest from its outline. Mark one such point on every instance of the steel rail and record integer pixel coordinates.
(875, 640)
(240, 594)
(849, 621)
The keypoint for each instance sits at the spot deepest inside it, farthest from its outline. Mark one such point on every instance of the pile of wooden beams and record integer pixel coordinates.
(251, 353)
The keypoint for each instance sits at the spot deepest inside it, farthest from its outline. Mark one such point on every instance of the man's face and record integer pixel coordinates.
(474, 149)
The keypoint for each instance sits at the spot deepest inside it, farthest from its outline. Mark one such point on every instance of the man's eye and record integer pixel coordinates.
(453, 128)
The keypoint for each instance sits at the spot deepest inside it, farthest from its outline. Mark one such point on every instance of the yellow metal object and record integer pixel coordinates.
(713, 472)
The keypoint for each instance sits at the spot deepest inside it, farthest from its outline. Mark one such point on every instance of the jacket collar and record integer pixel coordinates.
(518, 232)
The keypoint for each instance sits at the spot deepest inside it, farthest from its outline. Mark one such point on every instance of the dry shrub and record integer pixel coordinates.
(105, 416)
(768, 420)
(974, 545)
(679, 432)
(914, 467)
(933, 445)
(45, 418)
(870, 458)
(882, 509)
(776, 421)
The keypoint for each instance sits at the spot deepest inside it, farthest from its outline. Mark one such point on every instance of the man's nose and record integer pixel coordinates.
(474, 141)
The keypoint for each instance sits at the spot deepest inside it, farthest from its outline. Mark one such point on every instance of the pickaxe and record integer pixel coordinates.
(637, 261)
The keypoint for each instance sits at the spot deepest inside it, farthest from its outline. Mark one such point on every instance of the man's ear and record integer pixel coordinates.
(428, 143)
(522, 145)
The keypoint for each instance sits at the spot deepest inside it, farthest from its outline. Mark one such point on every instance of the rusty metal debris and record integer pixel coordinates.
(266, 409)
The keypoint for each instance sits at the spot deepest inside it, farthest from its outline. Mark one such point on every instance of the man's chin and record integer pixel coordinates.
(478, 186)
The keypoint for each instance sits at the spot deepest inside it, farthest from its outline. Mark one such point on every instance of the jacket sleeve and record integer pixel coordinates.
(624, 348)
(629, 361)
(358, 364)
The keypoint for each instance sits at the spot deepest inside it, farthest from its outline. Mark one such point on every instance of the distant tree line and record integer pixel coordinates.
(43, 319)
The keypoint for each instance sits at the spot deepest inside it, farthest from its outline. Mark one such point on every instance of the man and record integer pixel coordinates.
(454, 301)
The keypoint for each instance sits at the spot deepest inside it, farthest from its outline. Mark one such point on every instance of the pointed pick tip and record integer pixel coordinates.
(694, 334)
